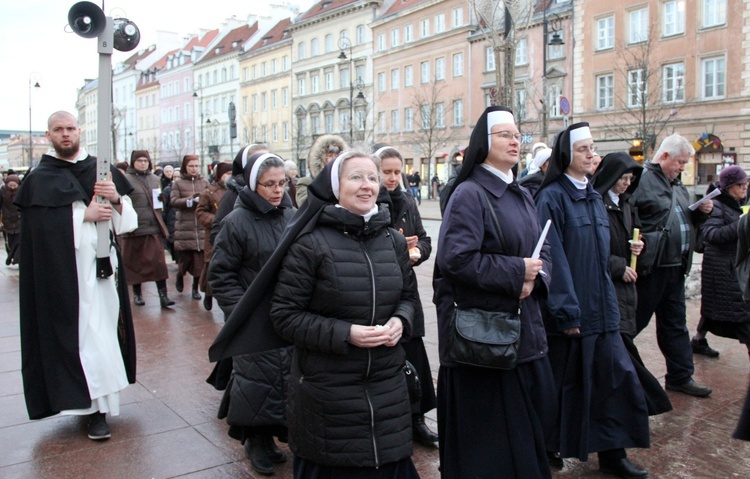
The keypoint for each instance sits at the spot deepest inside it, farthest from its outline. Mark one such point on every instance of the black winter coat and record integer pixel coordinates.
(721, 298)
(347, 406)
(143, 185)
(620, 232)
(226, 205)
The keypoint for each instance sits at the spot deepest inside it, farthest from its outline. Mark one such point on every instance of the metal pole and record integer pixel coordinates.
(545, 93)
(31, 143)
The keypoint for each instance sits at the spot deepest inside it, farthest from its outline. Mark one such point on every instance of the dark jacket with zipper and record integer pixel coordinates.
(143, 184)
(188, 234)
(347, 406)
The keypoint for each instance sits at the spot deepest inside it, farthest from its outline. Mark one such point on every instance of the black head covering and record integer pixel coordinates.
(477, 150)
(240, 159)
(559, 160)
(612, 167)
(248, 329)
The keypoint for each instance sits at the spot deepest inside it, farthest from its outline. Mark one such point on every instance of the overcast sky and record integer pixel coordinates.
(34, 44)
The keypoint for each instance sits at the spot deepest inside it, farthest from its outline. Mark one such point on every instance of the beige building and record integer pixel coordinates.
(147, 101)
(423, 82)
(646, 69)
(264, 112)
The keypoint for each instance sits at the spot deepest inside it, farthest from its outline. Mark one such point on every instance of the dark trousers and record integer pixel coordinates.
(663, 293)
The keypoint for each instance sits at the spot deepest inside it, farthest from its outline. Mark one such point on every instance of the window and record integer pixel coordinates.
(343, 34)
(458, 17)
(713, 78)
(440, 115)
(231, 72)
(489, 59)
(381, 122)
(674, 18)
(273, 66)
(245, 74)
(360, 72)
(263, 101)
(714, 13)
(674, 82)
(314, 84)
(381, 42)
(424, 116)
(315, 123)
(458, 65)
(605, 33)
(301, 51)
(343, 77)
(408, 119)
(245, 105)
(394, 37)
(605, 91)
(285, 131)
(360, 34)
(424, 68)
(520, 107)
(284, 63)
(408, 76)
(637, 87)
(424, 28)
(554, 101)
(255, 103)
(408, 33)
(274, 99)
(223, 74)
(439, 69)
(285, 96)
(263, 69)
(381, 82)
(343, 120)
(329, 122)
(275, 133)
(329, 81)
(520, 53)
(440, 23)
(638, 26)
(301, 85)
(458, 113)
(329, 43)
(314, 47)
(394, 121)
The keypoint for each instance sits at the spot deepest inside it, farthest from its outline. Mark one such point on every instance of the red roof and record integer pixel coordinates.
(278, 33)
(399, 5)
(198, 41)
(231, 43)
(323, 7)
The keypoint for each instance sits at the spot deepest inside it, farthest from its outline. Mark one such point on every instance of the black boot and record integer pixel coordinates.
(208, 302)
(137, 296)
(97, 427)
(179, 285)
(164, 299)
(622, 468)
(422, 433)
(256, 451)
(700, 346)
(196, 294)
(275, 454)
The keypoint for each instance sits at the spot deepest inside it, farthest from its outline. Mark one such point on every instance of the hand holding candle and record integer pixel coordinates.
(636, 239)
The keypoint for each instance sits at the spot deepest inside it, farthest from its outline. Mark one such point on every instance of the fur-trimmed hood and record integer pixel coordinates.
(316, 158)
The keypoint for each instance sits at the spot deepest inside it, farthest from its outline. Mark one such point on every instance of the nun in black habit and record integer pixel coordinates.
(493, 422)
(615, 179)
(602, 404)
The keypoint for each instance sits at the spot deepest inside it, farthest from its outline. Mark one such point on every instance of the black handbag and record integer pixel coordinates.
(413, 383)
(654, 244)
(485, 339)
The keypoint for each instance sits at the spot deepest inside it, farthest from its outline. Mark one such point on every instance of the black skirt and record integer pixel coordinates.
(417, 355)
(403, 469)
(491, 420)
(657, 400)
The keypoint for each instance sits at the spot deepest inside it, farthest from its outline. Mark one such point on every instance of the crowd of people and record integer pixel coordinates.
(322, 346)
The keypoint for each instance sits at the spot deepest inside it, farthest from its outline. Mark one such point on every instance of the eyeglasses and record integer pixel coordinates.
(270, 186)
(743, 185)
(363, 178)
(141, 160)
(585, 149)
(507, 135)
(628, 178)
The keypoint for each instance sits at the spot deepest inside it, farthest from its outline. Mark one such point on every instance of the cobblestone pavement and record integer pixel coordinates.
(168, 426)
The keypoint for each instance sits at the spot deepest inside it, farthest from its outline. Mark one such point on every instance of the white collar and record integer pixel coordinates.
(82, 155)
(581, 185)
(508, 179)
(614, 197)
(367, 215)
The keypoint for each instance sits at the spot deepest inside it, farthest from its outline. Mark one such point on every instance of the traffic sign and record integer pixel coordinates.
(564, 106)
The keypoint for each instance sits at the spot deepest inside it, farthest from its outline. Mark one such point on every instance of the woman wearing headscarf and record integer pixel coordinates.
(406, 219)
(493, 421)
(188, 235)
(602, 404)
(615, 180)
(723, 311)
(325, 149)
(255, 397)
(536, 171)
(11, 218)
(143, 249)
(234, 185)
(208, 203)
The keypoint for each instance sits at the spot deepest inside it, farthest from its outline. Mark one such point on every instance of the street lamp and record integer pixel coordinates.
(33, 83)
(556, 40)
(345, 44)
(199, 88)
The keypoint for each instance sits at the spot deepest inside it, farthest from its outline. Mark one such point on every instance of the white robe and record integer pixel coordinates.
(98, 311)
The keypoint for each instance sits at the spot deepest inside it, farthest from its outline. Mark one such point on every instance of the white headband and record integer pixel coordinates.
(245, 153)
(381, 150)
(495, 118)
(335, 175)
(582, 133)
(256, 166)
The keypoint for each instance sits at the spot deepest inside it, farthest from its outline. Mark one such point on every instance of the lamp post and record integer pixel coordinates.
(198, 88)
(345, 44)
(33, 83)
(555, 41)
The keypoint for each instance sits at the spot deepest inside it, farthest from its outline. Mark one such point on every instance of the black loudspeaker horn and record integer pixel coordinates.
(86, 19)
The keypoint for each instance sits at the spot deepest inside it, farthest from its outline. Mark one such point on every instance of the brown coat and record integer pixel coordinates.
(206, 210)
(188, 234)
(10, 213)
(143, 184)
